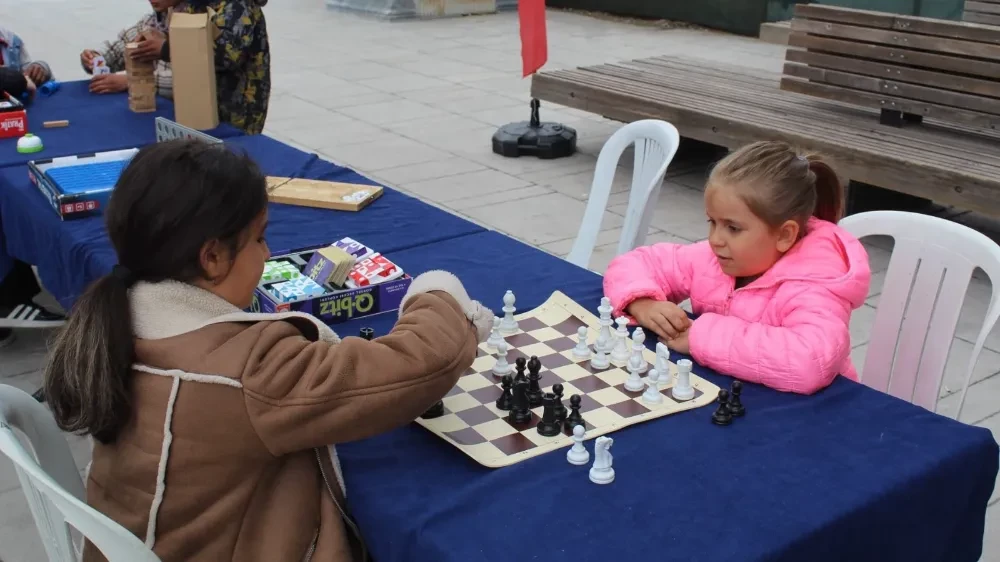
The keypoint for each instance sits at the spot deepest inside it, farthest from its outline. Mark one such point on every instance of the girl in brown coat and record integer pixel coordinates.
(213, 427)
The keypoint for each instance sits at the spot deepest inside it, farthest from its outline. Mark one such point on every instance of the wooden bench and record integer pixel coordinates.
(952, 161)
(907, 67)
(982, 11)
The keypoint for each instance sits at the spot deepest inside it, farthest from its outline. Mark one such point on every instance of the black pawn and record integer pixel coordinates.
(574, 418)
(534, 387)
(435, 411)
(519, 365)
(549, 427)
(557, 390)
(521, 411)
(735, 402)
(506, 400)
(367, 333)
(722, 415)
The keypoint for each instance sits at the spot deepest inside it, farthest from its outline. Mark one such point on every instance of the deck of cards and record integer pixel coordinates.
(99, 66)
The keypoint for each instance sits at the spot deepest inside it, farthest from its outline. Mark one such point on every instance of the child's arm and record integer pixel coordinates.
(303, 394)
(660, 272)
(802, 355)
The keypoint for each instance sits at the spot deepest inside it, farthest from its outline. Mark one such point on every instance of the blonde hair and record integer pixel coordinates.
(778, 183)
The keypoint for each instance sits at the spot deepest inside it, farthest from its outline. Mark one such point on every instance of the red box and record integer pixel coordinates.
(13, 117)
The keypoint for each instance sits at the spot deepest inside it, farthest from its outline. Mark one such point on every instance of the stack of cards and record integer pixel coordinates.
(296, 289)
(372, 270)
(330, 265)
(278, 271)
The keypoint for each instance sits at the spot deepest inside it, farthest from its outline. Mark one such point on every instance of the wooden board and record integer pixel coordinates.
(322, 194)
(982, 12)
(912, 24)
(475, 426)
(726, 105)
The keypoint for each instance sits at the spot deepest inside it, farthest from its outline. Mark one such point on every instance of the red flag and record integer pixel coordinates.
(534, 44)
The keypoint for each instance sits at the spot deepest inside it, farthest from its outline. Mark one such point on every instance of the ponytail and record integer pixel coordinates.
(829, 191)
(87, 376)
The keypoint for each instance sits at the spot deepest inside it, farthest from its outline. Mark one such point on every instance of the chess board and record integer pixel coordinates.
(472, 422)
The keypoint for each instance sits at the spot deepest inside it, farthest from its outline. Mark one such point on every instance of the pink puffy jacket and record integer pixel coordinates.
(788, 330)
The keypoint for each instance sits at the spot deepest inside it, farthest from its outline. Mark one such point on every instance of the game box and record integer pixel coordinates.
(336, 304)
(13, 118)
(79, 186)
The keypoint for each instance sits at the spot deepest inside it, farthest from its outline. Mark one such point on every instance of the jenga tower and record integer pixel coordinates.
(141, 82)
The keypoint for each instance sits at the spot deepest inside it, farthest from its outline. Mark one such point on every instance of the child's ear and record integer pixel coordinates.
(788, 234)
(215, 260)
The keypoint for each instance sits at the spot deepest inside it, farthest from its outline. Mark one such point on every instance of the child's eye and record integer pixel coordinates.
(734, 229)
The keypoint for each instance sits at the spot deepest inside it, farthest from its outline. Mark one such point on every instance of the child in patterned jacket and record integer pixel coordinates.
(14, 55)
(773, 287)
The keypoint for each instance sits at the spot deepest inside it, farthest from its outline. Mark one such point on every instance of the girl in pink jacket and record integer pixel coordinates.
(774, 285)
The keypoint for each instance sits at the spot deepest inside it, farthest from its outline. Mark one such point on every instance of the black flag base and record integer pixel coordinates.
(544, 140)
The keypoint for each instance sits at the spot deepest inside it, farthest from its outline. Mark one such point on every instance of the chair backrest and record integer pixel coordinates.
(53, 487)
(656, 144)
(932, 263)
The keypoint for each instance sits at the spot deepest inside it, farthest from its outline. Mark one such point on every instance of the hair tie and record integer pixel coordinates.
(123, 274)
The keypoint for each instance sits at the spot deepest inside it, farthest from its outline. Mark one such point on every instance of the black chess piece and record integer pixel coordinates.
(557, 389)
(722, 415)
(574, 418)
(506, 400)
(435, 411)
(519, 365)
(367, 333)
(521, 411)
(549, 426)
(735, 401)
(534, 388)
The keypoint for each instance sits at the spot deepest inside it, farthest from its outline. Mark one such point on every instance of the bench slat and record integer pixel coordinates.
(899, 39)
(914, 24)
(984, 7)
(977, 17)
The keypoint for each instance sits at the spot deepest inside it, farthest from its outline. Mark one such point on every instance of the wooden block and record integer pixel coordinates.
(322, 194)
(56, 124)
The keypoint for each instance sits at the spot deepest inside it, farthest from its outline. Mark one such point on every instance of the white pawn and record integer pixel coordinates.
(683, 389)
(619, 354)
(509, 324)
(652, 394)
(602, 472)
(581, 351)
(600, 360)
(495, 337)
(578, 454)
(634, 382)
(663, 363)
(502, 367)
(637, 362)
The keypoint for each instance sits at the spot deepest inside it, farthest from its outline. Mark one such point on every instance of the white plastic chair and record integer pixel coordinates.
(929, 273)
(656, 144)
(53, 487)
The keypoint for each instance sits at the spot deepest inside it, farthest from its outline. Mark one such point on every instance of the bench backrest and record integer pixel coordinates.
(982, 11)
(921, 67)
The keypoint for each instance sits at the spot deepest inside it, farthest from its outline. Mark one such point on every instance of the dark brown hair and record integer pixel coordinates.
(779, 183)
(171, 199)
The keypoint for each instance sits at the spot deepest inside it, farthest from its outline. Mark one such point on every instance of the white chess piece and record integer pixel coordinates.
(578, 454)
(495, 337)
(600, 360)
(502, 367)
(509, 324)
(652, 394)
(663, 363)
(683, 389)
(605, 341)
(619, 354)
(634, 382)
(636, 361)
(602, 471)
(581, 351)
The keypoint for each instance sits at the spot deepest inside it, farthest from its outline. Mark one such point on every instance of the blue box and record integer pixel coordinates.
(339, 305)
(79, 186)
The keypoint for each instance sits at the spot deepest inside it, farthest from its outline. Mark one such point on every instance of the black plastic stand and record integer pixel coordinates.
(895, 118)
(544, 140)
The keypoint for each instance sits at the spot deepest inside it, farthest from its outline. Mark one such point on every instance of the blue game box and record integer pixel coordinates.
(79, 186)
(337, 304)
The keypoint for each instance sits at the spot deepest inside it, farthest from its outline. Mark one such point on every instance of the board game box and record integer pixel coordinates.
(376, 285)
(13, 117)
(79, 186)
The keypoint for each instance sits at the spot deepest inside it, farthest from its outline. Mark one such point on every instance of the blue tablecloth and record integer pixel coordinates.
(72, 254)
(847, 474)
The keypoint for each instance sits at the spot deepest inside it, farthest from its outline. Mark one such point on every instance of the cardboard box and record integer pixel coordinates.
(339, 305)
(85, 193)
(13, 118)
(192, 60)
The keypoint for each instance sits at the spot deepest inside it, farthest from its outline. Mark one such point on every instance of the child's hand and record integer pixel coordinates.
(150, 46)
(666, 319)
(680, 343)
(87, 59)
(108, 84)
(35, 73)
